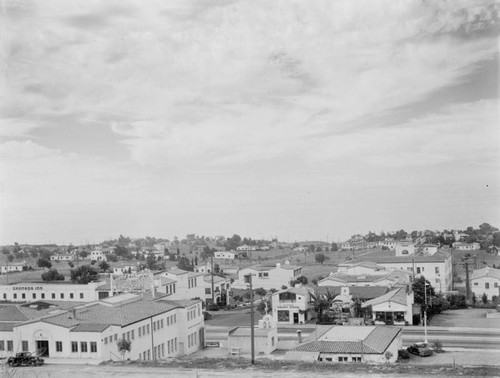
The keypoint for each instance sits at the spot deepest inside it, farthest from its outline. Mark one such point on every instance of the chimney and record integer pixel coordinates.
(299, 336)
(73, 314)
(278, 265)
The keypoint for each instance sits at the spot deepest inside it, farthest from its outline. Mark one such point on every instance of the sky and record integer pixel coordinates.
(302, 120)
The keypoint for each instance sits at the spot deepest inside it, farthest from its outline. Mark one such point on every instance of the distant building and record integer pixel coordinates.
(387, 278)
(50, 291)
(246, 248)
(265, 338)
(97, 255)
(188, 285)
(224, 255)
(486, 281)
(268, 277)
(392, 308)
(62, 257)
(466, 246)
(222, 289)
(404, 248)
(351, 344)
(18, 267)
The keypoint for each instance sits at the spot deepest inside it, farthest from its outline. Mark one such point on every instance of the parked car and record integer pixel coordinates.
(420, 350)
(25, 359)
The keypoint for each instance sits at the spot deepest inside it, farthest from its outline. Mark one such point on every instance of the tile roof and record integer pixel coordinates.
(8, 326)
(89, 327)
(217, 279)
(396, 296)
(175, 271)
(486, 272)
(373, 340)
(184, 302)
(439, 256)
(12, 313)
(361, 292)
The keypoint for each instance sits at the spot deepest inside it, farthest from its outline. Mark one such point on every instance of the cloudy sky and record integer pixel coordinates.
(298, 119)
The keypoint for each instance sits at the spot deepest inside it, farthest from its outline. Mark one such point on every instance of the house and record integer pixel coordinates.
(293, 305)
(268, 277)
(245, 247)
(126, 269)
(348, 344)
(392, 308)
(364, 267)
(429, 249)
(18, 267)
(89, 333)
(265, 338)
(62, 257)
(97, 255)
(404, 248)
(486, 281)
(221, 289)
(224, 255)
(459, 246)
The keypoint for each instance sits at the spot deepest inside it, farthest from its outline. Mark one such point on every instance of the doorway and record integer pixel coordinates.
(42, 348)
(295, 318)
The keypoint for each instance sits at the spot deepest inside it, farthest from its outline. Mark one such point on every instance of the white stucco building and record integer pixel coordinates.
(268, 277)
(485, 281)
(55, 291)
(187, 285)
(157, 329)
(392, 308)
(293, 305)
(224, 255)
(10, 268)
(222, 289)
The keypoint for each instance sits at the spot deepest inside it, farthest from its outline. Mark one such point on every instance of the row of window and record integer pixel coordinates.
(263, 274)
(42, 296)
(170, 289)
(74, 346)
(191, 314)
(341, 359)
(192, 340)
(192, 282)
(10, 345)
(487, 284)
(159, 351)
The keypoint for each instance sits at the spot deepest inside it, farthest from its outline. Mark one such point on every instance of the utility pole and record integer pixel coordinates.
(212, 274)
(252, 331)
(425, 311)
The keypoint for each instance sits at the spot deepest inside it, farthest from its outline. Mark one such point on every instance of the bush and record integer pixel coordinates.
(207, 315)
(403, 354)
(212, 307)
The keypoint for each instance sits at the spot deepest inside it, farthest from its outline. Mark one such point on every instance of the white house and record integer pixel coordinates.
(486, 281)
(19, 267)
(265, 338)
(62, 257)
(351, 344)
(404, 248)
(466, 246)
(245, 247)
(157, 329)
(429, 249)
(392, 308)
(268, 277)
(126, 269)
(224, 255)
(293, 305)
(221, 288)
(97, 255)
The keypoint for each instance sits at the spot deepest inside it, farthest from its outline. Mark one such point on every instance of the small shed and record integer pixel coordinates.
(265, 337)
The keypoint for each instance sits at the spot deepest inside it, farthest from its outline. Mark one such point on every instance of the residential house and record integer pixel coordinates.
(97, 255)
(221, 289)
(224, 255)
(268, 277)
(245, 247)
(62, 257)
(486, 281)
(466, 246)
(17, 267)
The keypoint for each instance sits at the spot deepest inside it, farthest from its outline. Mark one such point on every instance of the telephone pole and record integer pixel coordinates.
(252, 331)
(212, 275)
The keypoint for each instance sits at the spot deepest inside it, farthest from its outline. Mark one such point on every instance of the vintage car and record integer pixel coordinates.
(421, 350)
(25, 359)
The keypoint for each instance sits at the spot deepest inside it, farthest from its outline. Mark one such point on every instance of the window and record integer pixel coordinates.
(144, 355)
(74, 346)
(161, 323)
(62, 295)
(81, 295)
(486, 285)
(59, 346)
(495, 284)
(43, 295)
(83, 346)
(283, 316)
(53, 295)
(25, 345)
(175, 344)
(4, 295)
(163, 349)
(34, 295)
(356, 359)
(154, 326)
(149, 354)
(93, 347)
(476, 283)
(23, 295)
(105, 340)
(10, 345)
(116, 336)
(404, 252)
(418, 272)
(128, 336)
(436, 269)
(147, 328)
(342, 359)
(140, 328)
(208, 291)
(2, 345)
(70, 295)
(132, 334)
(15, 296)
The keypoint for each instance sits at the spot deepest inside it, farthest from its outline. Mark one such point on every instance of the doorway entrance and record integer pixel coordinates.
(42, 348)
(295, 317)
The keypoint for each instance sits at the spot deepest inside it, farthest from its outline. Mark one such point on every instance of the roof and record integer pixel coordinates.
(89, 327)
(176, 271)
(217, 279)
(355, 340)
(11, 313)
(396, 296)
(439, 256)
(360, 292)
(486, 272)
(246, 331)
(342, 277)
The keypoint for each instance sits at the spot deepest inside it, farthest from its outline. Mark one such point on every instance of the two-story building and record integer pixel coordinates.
(156, 328)
(97, 255)
(221, 289)
(268, 277)
(486, 281)
(187, 285)
(293, 305)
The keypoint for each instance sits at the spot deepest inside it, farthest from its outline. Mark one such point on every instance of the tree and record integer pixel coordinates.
(10, 258)
(124, 346)
(5, 251)
(216, 268)
(484, 298)
(260, 291)
(335, 247)
(233, 242)
(83, 274)
(321, 304)
(112, 257)
(83, 254)
(52, 275)
(43, 263)
(184, 264)
(299, 280)
(418, 290)
(320, 258)
(265, 306)
(71, 265)
(104, 266)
